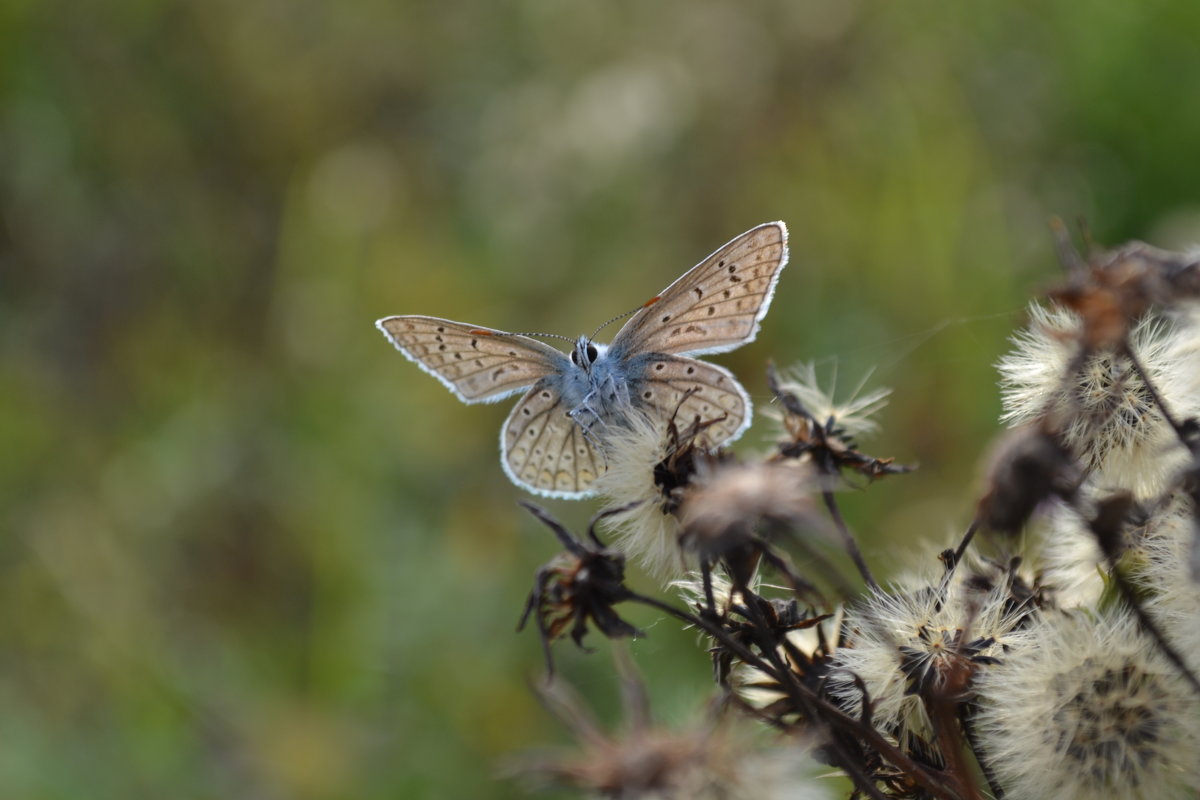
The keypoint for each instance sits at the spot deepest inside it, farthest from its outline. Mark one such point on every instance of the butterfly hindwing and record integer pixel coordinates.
(687, 391)
(479, 365)
(717, 305)
(543, 450)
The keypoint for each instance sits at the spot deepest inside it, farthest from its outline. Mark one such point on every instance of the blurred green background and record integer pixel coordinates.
(249, 551)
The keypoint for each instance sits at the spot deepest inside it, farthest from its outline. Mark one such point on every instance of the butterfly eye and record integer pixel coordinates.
(592, 353)
(575, 357)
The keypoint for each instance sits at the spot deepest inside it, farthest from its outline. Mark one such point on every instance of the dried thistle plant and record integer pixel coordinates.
(1064, 667)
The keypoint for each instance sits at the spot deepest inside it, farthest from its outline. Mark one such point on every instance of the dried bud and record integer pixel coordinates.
(1029, 466)
(583, 583)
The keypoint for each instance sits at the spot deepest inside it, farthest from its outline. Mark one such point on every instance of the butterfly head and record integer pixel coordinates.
(586, 352)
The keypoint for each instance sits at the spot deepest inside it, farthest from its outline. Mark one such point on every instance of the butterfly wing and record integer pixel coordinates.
(687, 390)
(543, 450)
(479, 365)
(715, 306)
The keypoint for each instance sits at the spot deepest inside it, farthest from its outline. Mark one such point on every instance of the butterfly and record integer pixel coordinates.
(553, 441)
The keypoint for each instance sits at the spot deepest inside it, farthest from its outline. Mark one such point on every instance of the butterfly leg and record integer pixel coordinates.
(586, 418)
(603, 402)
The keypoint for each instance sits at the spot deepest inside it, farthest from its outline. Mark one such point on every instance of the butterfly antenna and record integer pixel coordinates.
(621, 316)
(528, 333)
(548, 336)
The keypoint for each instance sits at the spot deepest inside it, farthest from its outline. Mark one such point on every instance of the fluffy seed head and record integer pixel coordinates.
(1162, 566)
(1086, 708)
(1073, 566)
(906, 644)
(726, 505)
(1104, 412)
(851, 417)
(650, 465)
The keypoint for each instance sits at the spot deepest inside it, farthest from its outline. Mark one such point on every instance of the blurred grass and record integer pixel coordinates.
(249, 551)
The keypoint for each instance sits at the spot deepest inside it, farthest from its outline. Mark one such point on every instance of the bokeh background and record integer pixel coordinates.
(248, 551)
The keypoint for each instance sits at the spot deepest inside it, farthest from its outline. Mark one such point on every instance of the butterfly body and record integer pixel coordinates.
(596, 390)
(553, 442)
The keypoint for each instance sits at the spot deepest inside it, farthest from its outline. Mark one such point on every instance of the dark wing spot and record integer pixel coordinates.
(666, 318)
(712, 310)
(545, 395)
(526, 411)
(475, 343)
(458, 356)
(659, 367)
(497, 373)
(441, 329)
(479, 363)
(734, 278)
(533, 432)
(512, 353)
(691, 370)
(725, 294)
(699, 293)
(721, 263)
(732, 268)
(647, 394)
(442, 347)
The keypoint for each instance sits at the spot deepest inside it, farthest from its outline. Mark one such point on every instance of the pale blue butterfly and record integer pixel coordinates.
(552, 443)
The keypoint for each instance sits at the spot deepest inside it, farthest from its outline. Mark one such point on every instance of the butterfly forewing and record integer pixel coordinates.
(687, 391)
(717, 305)
(477, 364)
(544, 450)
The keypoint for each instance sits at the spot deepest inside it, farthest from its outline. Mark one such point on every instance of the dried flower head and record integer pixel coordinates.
(1096, 402)
(712, 760)
(812, 640)
(1086, 707)
(733, 509)
(1112, 289)
(581, 584)
(910, 645)
(650, 465)
(817, 430)
(732, 499)
(851, 418)
(811, 636)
